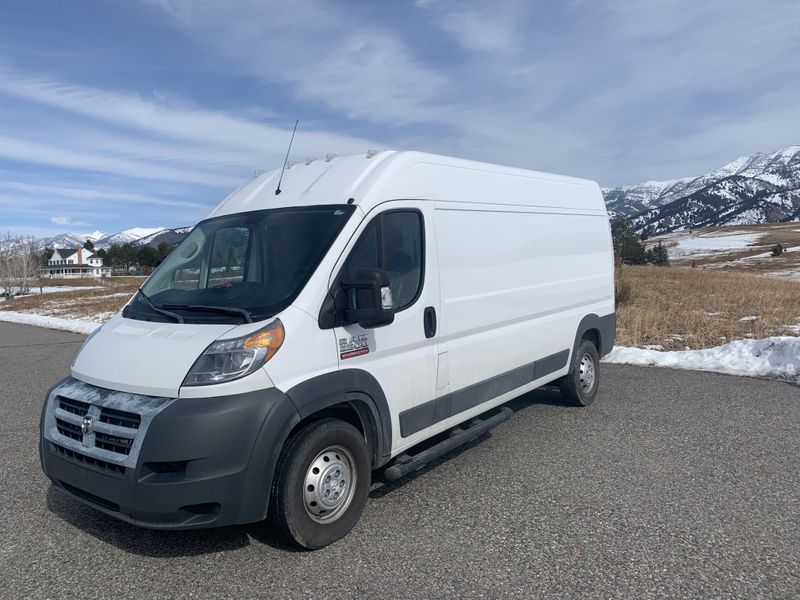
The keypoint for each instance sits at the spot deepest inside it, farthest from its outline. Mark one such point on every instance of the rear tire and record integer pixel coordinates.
(579, 386)
(322, 483)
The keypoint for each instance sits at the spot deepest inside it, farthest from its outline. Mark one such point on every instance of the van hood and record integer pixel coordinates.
(142, 357)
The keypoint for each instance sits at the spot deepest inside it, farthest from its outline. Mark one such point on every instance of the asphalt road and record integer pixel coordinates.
(674, 484)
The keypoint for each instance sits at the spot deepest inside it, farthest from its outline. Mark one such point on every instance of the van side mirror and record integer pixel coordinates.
(369, 299)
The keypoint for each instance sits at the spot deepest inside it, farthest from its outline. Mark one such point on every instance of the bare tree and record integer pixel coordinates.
(6, 265)
(19, 263)
(28, 263)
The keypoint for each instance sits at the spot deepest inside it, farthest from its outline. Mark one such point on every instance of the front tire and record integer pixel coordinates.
(579, 386)
(322, 483)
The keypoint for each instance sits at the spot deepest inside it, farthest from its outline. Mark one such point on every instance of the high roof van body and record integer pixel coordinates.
(297, 342)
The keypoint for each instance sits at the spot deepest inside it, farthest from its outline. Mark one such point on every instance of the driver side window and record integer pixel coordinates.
(393, 241)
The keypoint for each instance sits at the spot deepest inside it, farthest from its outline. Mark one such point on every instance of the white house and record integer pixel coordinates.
(75, 262)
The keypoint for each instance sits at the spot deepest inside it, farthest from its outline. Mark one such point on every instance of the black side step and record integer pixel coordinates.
(405, 463)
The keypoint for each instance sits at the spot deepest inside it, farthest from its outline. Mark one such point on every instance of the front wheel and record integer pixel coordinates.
(579, 386)
(322, 483)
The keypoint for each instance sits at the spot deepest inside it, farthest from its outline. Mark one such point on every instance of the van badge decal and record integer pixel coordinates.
(356, 345)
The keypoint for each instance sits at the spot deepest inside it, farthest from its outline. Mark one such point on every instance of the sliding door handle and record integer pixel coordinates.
(430, 322)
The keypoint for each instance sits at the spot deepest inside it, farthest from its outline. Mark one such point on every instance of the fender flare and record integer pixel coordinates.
(358, 388)
(606, 327)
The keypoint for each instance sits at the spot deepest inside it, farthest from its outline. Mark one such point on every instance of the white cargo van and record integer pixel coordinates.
(296, 342)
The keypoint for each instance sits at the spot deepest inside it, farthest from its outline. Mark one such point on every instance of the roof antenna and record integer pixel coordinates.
(285, 160)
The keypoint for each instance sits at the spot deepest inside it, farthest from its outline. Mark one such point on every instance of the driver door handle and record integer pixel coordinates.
(430, 322)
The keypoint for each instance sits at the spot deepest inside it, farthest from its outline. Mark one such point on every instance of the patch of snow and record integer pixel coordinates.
(762, 255)
(700, 244)
(776, 357)
(117, 295)
(772, 178)
(753, 215)
(748, 318)
(53, 289)
(74, 325)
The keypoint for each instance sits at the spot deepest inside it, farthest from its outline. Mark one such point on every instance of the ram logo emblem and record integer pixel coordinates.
(86, 426)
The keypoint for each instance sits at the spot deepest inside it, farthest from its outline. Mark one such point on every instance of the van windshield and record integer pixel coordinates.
(240, 268)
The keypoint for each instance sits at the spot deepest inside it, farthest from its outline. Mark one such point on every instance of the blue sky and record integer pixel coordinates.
(116, 114)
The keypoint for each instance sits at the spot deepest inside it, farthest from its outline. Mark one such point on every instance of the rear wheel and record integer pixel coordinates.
(579, 386)
(322, 483)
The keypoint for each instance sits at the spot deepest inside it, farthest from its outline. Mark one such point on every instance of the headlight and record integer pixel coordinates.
(226, 360)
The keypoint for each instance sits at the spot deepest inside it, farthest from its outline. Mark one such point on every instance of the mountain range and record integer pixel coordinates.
(137, 236)
(761, 188)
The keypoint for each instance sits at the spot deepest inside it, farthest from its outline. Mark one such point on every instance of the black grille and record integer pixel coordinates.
(89, 460)
(120, 418)
(69, 430)
(113, 443)
(75, 407)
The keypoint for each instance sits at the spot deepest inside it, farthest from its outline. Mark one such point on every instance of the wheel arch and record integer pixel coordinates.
(600, 330)
(348, 394)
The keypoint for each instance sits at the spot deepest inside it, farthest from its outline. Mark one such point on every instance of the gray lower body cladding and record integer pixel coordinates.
(165, 463)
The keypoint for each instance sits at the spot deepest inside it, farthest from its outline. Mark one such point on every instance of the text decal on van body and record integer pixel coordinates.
(353, 346)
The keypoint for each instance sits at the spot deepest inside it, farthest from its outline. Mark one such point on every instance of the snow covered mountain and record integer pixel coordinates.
(761, 188)
(168, 236)
(70, 240)
(129, 236)
(138, 236)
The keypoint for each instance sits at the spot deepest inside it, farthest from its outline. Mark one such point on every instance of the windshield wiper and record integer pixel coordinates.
(220, 309)
(147, 300)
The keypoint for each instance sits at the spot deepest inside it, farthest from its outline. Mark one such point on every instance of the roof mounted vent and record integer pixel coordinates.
(371, 153)
(310, 159)
(329, 157)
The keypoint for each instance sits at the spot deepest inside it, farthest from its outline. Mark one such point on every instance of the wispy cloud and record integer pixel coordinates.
(489, 27)
(163, 115)
(95, 195)
(64, 221)
(324, 50)
(59, 155)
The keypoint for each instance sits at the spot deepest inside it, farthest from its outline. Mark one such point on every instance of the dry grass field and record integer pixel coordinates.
(678, 308)
(98, 302)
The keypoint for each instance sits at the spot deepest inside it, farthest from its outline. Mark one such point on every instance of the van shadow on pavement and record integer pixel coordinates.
(549, 396)
(158, 544)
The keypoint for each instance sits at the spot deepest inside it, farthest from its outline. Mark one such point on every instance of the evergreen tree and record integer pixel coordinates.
(628, 246)
(147, 257)
(88, 245)
(659, 256)
(163, 251)
(45, 255)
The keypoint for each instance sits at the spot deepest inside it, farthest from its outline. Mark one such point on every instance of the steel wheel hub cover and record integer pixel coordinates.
(587, 373)
(329, 484)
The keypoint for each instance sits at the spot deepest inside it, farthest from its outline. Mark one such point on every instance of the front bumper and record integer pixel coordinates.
(165, 463)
